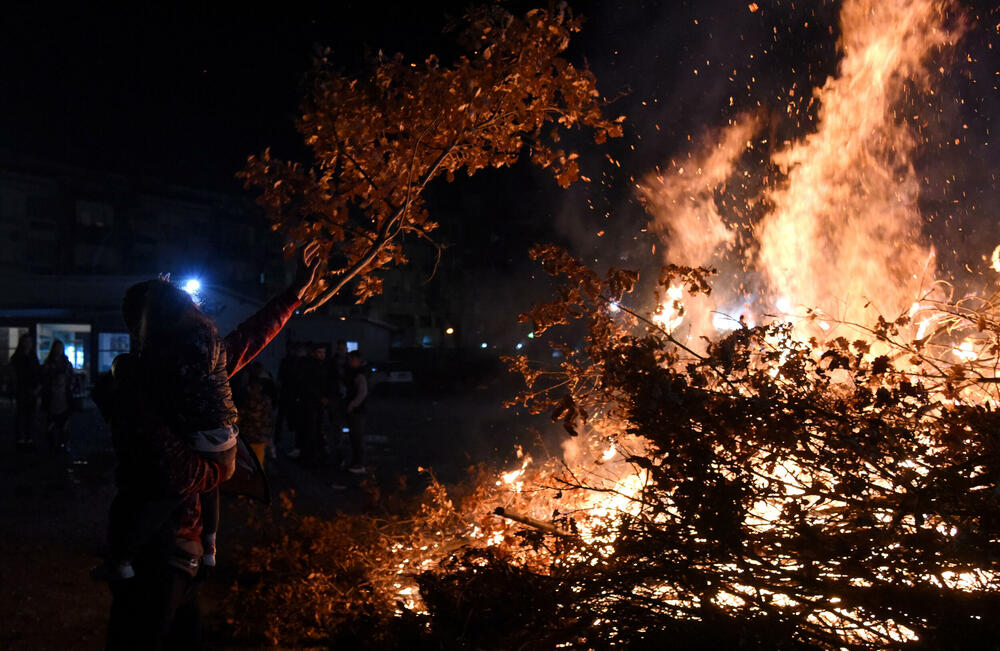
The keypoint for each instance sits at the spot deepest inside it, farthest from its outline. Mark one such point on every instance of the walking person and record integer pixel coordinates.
(355, 409)
(57, 395)
(27, 385)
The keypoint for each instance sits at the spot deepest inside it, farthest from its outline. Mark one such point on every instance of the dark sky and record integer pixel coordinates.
(187, 93)
(180, 92)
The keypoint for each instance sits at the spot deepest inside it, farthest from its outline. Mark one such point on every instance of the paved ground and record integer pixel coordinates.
(53, 506)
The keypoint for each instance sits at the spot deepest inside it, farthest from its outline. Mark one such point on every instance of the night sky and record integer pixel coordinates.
(186, 94)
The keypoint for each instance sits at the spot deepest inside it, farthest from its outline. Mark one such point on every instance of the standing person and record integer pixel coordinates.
(314, 392)
(57, 395)
(338, 367)
(289, 395)
(355, 409)
(256, 406)
(26, 389)
(158, 607)
(338, 373)
(179, 359)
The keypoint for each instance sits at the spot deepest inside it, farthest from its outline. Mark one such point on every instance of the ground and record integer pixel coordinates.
(53, 506)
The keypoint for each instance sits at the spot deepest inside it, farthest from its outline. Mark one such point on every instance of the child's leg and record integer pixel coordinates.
(210, 524)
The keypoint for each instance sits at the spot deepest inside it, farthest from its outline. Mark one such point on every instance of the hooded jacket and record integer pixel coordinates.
(153, 459)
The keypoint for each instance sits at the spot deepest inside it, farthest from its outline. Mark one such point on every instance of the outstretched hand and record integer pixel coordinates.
(307, 270)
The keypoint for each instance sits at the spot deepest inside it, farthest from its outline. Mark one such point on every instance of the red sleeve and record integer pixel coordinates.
(186, 472)
(254, 334)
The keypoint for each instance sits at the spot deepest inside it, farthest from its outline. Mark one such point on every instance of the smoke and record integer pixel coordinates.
(682, 202)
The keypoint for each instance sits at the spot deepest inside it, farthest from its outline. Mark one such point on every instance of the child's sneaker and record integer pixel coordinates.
(208, 558)
(112, 571)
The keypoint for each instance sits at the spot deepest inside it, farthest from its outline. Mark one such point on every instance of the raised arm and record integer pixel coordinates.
(254, 334)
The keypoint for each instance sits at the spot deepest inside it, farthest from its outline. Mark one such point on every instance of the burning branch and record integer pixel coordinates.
(531, 522)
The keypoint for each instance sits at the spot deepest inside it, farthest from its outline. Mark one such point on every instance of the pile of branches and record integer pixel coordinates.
(346, 581)
(842, 493)
(793, 492)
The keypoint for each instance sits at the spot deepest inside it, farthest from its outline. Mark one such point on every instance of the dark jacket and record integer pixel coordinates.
(186, 367)
(57, 385)
(154, 461)
(26, 375)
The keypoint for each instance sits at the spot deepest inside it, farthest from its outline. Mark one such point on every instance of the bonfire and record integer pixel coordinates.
(800, 452)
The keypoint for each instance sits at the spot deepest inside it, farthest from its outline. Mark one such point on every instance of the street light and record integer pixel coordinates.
(192, 286)
(449, 331)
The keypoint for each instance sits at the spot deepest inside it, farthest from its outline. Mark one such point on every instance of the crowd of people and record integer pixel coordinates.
(314, 390)
(180, 406)
(43, 394)
(314, 393)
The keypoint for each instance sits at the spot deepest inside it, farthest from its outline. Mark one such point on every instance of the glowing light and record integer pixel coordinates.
(614, 307)
(192, 286)
(724, 322)
(483, 345)
(74, 355)
(995, 258)
(519, 345)
(965, 352)
(449, 331)
(671, 313)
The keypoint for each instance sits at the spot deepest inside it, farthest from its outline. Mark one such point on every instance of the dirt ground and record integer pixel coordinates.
(53, 507)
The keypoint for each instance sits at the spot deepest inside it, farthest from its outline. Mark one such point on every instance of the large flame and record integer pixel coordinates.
(845, 229)
(843, 235)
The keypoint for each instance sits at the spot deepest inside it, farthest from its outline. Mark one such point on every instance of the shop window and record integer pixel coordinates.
(109, 346)
(76, 342)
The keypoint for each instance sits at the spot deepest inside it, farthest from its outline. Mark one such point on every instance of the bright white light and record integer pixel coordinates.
(519, 345)
(613, 307)
(449, 331)
(784, 305)
(483, 345)
(75, 356)
(192, 286)
(724, 322)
